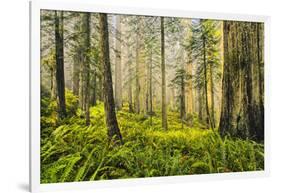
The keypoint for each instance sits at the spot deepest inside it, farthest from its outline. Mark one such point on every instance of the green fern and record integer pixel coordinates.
(69, 167)
(76, 152)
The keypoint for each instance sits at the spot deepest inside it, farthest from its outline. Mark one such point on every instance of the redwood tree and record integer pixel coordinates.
(60, 63)
(242, 105)
(109, 106)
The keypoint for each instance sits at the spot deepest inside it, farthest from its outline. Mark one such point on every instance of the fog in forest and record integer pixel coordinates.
(125, 96)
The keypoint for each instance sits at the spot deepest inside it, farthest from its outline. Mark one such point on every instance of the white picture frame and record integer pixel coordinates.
(87, 6)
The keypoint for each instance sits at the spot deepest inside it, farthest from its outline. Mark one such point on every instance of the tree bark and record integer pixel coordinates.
(109, 106)
(163, 77)
(261, 79)
(118, 65)
(182, 99)
(189, 102)
(94, 89)
(150, 85)
(53, 83)
(209, 121)
(86, 64)
(81, 85)
(137, 95)
(212, 97)
(147, 89)
(199, 102)
(76, 72)
(60, 64)
(130, 90)
(240, 115)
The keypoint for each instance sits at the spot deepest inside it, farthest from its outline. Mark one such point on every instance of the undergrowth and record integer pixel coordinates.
(71, 151)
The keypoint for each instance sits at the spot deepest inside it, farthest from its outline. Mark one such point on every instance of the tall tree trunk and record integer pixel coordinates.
(173, 99)
(200, 106)
(240, 107)
(100, 94)
(60, 63)
(86, 64)
(163, 77)
(150, 85)
(150, 107)
(81, 78)
(94, 89)
(118, 65)
(212, 97)
(109, 106)
(227, 113)
(130, 90)
(189, 103)
(247, 84)
(53, 83)
(182, 99)
(76, 73)
(137, 95)
(209, 121)
(147, 89)
(261, 80)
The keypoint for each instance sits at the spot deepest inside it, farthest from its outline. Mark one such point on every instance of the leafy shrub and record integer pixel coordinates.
(49, 115)
(71, 103)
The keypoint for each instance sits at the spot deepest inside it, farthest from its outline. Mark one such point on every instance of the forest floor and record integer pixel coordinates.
(75, 152)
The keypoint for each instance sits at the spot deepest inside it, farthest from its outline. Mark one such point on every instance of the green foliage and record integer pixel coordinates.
(72, 103)
(75, 152)
(49, 116)
(204, 44)
(49, 107)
